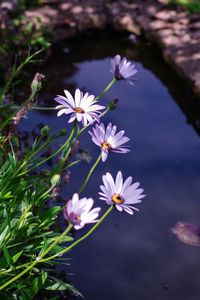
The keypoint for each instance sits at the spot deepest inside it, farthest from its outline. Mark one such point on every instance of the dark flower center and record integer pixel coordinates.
(74, 218)
(118, 76)
(106, 145)
(79, 110)
(77, 218)
(117, 198)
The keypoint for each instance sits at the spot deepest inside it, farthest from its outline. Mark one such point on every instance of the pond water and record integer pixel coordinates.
(133, 257)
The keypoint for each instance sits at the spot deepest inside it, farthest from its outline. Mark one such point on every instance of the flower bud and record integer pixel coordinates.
(45, 131)
(55, 180)
(36, 84)
(63, 132)
(113, 104)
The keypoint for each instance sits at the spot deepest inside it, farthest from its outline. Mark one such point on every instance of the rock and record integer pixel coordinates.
(9, 5)
(177, 32)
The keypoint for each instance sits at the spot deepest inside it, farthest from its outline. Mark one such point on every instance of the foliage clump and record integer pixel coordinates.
(192, 6)
(31, 242)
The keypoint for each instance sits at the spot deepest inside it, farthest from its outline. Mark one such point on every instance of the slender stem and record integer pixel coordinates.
(32, 108)
(47, 192)
(81, 238)
(13, 114)
(41, 260)
(105, 111)
(37, 260)
(106, 89)
(43, 146)
(54, 154)
(90, 173)
(26, 161)
(43, 108)
(18, 276)
(56, 241)
(16, 71)
(65, 156)
(71, 164)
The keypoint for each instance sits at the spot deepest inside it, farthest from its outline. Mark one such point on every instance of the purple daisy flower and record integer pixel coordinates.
(82, 107)
(78, 211)
(121, 193)
(108, 139)
(123, 69)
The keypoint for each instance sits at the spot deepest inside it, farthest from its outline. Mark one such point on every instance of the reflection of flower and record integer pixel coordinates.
(78, 211)
(81, 107)
(121, 193)
(123, 69)
(187, 233)
(108, 139)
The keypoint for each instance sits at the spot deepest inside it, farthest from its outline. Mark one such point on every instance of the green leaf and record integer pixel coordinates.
(50, 215)
(54, 284)
(7, 256)
(3, 235)
(7, 195)
(26, 294)
(17, 256)
(4, 296)
(45, 245)
(38, 283)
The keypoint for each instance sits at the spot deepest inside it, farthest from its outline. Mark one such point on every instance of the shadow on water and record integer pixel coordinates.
(99, 45)
(133, 257)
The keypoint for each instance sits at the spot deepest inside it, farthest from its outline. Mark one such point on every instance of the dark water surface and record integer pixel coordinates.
(134, 257)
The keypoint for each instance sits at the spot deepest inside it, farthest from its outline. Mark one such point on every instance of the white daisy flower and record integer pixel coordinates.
(108, 139)
(120, 193)
(78, 211)
(123, 69)
(82, 107)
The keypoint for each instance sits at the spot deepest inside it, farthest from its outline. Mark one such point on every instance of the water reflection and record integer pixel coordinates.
(187, 233)
(133, 257)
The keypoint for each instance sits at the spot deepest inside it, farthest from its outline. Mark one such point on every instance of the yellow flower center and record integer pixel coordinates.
(106, 145)
(117, 198)
(79, 110)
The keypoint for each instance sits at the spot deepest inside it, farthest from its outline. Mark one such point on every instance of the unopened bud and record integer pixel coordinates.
(55, 180)
(45, 130)
(36, 84)
(63, 132)
(113, 104)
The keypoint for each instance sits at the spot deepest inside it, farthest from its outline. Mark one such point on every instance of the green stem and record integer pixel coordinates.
(56, 241)
(90, 173)
(42, 260)
(38, 260)
(13, 114)
(81, 238)
(43, 108)
(18, 276)
(54, 154)
(16, 71)
(71, 164)
(65, 156)
(26, 161)
(46, 193)
(43, 146)
(32, 108)
(106, 89)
